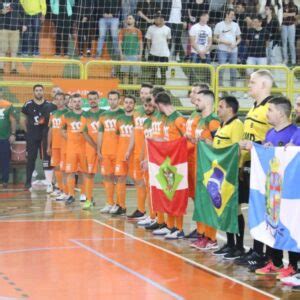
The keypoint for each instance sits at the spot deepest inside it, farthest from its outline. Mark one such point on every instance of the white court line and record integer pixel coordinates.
(44, 220)
(128, 270)
(35, 249)
(190, 261)
(10, 298)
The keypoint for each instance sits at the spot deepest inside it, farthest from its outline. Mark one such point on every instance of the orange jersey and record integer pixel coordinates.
(124, 130)
(108, 126)
(75, 140)
(139, 118)
(55, 123)
(207, 127)
(191, 125)
(90, 123)
(174, 126)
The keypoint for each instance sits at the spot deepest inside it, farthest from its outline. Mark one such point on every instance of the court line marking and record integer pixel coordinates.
(203, 267)
(128, 270)
(9, 298)
(44, 220)
(36, 249)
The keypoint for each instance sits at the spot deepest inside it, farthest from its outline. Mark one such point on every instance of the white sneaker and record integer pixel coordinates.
(162, 231)
(114, 209)
(146, 222)
(49, 189)
(62, 197)
(106, 209)
(174, 234)
(82, 198)
(291, 280)
(55, 194)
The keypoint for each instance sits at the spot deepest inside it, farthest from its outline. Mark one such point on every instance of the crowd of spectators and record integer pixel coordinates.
(233, 31)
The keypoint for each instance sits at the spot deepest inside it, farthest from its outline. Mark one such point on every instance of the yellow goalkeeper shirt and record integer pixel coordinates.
(34, 7)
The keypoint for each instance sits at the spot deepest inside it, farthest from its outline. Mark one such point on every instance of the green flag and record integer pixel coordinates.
(216, 201)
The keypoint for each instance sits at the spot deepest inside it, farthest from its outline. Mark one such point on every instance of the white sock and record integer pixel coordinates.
(49, 176)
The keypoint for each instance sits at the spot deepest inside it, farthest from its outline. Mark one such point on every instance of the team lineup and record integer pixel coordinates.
(114, 143)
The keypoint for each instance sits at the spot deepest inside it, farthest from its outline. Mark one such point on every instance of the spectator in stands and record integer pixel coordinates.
(35, 11)
(201, 40)
(62, 11)
(244, 21)
(195, 9)
(8, 126)
(85, 21)
(229, 4)
(175, 13)
(278, 8)
(158, 36)
(271, 24)
(146, 9)
(110, 12)
(130, 48)
(288, 31)
(228, 36)
(12, 21)
(257, 39)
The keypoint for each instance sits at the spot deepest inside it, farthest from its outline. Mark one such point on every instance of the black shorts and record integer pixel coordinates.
(244, 185)
(155, 58)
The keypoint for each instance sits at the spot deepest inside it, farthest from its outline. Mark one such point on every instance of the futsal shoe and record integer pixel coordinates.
(223, 250)
(153, 226)
(87, 205)
(234, 253)
(291, 280)
(269, 269)
(120, 212)
(174, 234)
(62, 197)
(243, 260)
(286, 272)
(70, 200)
(199, 242)
(106, 209)
(114, 209)
(210, 245)
(137, 215)
(256, 261)
(146, 222)
(82, 198)
(194, 235)
(49, 189)
(55, 194)
(163, 230)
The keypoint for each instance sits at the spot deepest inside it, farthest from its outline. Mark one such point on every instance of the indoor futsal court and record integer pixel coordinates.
(50, 251)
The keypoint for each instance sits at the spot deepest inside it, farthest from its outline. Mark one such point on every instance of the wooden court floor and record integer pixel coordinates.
(49, 251)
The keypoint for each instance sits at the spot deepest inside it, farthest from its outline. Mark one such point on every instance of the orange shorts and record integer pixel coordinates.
(55, 157)
(108, 165)
(138, 173)
(124, 168)
(92, 162)
(75, 162)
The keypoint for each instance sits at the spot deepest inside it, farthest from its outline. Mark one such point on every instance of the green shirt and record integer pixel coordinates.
(6, 110)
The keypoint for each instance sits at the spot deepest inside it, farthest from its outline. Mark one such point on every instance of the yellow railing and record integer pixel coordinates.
(281, 76)
(179, 77)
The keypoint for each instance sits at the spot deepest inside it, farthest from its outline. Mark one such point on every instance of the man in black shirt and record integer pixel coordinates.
(257, 42)
(34, 120)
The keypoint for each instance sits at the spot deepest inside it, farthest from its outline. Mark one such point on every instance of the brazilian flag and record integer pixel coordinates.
(216, 200)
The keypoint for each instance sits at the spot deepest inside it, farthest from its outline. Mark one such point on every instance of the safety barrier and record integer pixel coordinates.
(17, 87)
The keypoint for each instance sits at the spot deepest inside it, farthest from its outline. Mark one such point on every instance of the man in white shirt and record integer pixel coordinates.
(201, 40)
(175, 13)
(158, 37)
(227, 35)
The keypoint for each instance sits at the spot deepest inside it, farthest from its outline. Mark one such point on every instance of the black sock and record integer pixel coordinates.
(230, 239)
(240, 237)
(258, 247)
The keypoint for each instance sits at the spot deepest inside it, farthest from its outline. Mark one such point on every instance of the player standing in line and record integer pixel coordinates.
(174, 128)
(124, 164)
(256, 126)
(191, 125)
(205, 130)
(55, 141)
(75, 155)
(136, 145)
(107, 146)
(90, 128)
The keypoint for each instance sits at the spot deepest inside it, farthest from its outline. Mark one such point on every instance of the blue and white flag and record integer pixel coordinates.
(274, 206)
